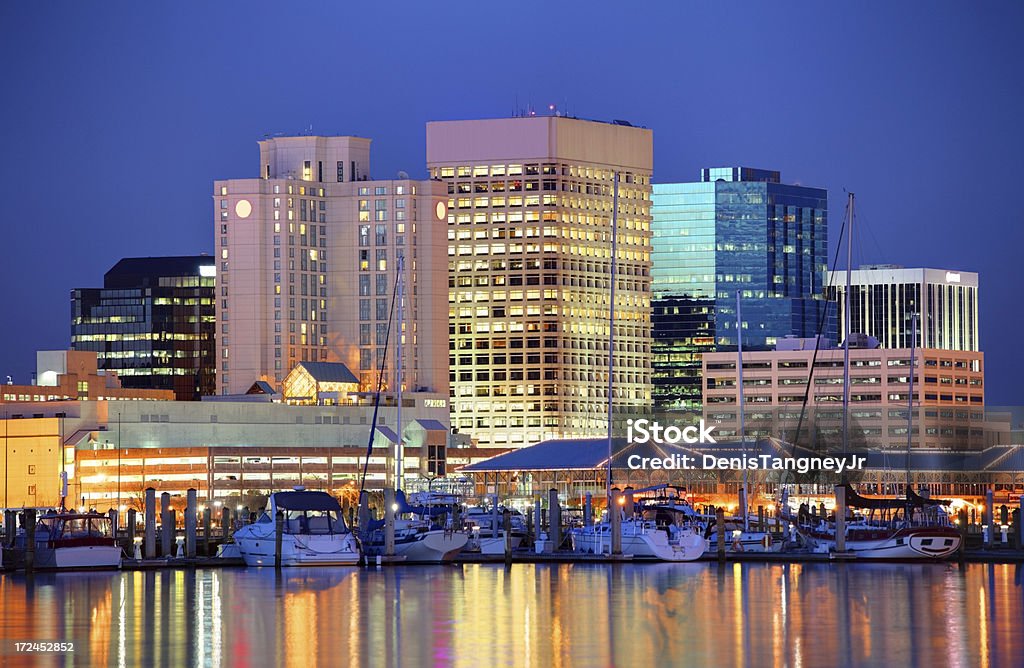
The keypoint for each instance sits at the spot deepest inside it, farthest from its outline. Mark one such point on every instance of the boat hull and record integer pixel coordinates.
(909, 544)
(492, 546)
(433, 547)
(641, 545)
(77, 558)
(257, 549)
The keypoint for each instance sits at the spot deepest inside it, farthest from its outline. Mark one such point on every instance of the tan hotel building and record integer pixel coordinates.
(529, 217)
(949, 396)
(308, 255)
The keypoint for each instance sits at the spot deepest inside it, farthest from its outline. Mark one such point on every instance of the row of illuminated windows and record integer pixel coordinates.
(536, 169)
(625, 254)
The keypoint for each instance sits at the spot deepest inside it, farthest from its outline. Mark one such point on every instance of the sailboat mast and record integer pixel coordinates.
(910, 395)
(846, 324)
(611, 339)
(399, 446)
(743, 430)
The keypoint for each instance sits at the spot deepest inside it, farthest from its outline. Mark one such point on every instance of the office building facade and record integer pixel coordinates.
(308, 260)
(948, 397)
(737, 229)
(884, 297)
(152, 323)
(529, 248)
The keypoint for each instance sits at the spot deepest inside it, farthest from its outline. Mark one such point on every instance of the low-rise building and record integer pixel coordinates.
(948, 395)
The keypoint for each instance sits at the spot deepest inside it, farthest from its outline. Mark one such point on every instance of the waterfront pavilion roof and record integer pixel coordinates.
(592, 453)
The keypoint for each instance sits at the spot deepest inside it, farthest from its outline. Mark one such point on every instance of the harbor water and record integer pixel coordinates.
(699, 614)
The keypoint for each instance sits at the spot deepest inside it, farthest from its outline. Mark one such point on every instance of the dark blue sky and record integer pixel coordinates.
(115, 117)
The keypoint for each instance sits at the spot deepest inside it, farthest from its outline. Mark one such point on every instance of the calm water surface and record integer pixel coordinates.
(531, 615)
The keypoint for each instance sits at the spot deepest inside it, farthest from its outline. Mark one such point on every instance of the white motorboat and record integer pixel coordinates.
(69, 541)
(417, 540)
(643, 539)
(486, 538)
(738, 540)
(314, 532)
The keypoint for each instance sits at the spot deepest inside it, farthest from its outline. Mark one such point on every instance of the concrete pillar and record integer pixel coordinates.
(150, 519)
(278, 538)
(167, 534)
(538, 526)
(30, 539)
(989, 502)
(494, 515)
(130, 528)
(190, 523)
(629, 506)
(588, 510)
(720, 532)
(615, 520)
(10, 527)
(840, 518)
(555, 515)
(207, 526)
(114, 522)
(507, 525)
(389, 522)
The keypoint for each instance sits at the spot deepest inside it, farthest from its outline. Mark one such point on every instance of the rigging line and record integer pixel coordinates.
(380, 383)
(817, 341)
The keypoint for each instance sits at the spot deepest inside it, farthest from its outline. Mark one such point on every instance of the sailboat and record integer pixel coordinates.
(740, 538)
(910, 528)
(424, 533)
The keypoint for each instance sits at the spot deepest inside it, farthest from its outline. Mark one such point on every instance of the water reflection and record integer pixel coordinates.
(530, 615)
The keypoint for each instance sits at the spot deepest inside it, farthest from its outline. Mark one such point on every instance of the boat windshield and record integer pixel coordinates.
(314, 522)
(50, 528)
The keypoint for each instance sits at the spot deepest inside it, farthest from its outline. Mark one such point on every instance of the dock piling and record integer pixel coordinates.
(278, 537)
(207, 525)
(168, 530)
(29, 521)
(150, 519)
(630, 505)
(494, 515)
(555, 519)
(389, 522)
(190, 523)
(165, 537)
(588, 510)
(507, 522)
(130, 527)
(840, 518)
(720, 534)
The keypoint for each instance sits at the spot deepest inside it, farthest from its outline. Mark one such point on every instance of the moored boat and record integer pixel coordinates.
(68, 541)
(314, 532)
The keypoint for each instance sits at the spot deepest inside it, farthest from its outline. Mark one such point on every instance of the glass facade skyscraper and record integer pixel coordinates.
(737, 229)
(152, 323)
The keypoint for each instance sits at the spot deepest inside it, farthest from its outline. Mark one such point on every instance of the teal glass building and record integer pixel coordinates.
(736, 229)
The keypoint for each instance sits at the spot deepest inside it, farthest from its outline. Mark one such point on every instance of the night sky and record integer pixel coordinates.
(115, 118)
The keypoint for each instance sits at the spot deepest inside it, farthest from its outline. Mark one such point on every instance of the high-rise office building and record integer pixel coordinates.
(530, 244)
(152, 323)
(308, 257)
(736, 229)
(884, 297)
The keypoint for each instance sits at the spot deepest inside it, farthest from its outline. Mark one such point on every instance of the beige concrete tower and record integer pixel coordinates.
(529, 248)
(308, 254)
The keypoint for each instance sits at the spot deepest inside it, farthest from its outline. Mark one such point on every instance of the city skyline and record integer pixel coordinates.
(169, 126)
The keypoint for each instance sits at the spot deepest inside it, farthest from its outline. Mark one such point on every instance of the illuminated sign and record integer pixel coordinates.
(208, 271)
(952, 277)
(435, 403)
